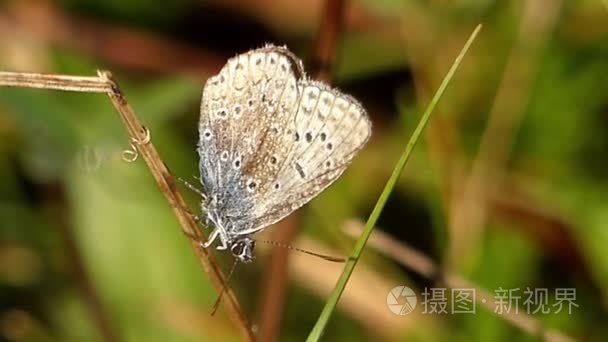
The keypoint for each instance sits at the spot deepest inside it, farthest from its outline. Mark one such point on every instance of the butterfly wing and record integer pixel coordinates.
(244, 111)
(326, 131)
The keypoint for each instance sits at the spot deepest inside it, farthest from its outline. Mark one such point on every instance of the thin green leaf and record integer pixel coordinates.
(319, 328)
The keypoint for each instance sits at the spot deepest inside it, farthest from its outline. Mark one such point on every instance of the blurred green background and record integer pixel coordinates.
(508, 187)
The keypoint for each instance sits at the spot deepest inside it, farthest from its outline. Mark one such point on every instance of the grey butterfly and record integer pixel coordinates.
(271, 139)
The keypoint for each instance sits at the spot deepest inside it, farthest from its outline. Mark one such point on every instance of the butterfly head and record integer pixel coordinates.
(242, 249)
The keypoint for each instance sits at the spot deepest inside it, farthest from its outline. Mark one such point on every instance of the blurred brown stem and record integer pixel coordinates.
(325, 42)
(105, 83)
(272, 298)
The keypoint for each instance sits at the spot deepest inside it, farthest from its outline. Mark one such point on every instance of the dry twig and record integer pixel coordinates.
(105, 83)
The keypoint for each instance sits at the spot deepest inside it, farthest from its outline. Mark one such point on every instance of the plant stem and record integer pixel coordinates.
(319, 328)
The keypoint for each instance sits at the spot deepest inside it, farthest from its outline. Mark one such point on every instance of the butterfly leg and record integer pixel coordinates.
(216, 232)
(224, 245)
(214, 235)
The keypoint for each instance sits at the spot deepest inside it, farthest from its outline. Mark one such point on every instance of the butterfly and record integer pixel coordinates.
(270, 140)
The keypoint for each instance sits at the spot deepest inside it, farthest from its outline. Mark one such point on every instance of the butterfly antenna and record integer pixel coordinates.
(322, 256)
(216, 305)
(192, 187)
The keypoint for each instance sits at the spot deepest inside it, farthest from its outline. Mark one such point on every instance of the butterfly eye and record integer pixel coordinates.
(323, 136)
(243, 249)
(224, 156)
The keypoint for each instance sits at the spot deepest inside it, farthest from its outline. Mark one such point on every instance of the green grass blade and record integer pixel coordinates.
(319, 328)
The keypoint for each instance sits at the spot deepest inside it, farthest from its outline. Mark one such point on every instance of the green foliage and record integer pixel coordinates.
(62, 176)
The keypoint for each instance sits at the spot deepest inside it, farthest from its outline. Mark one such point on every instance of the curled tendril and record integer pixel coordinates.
(131, 154)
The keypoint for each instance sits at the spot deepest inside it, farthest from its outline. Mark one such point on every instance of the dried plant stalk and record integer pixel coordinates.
(105, 83)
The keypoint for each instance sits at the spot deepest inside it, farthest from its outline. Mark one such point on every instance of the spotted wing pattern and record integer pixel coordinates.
(271, 139)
